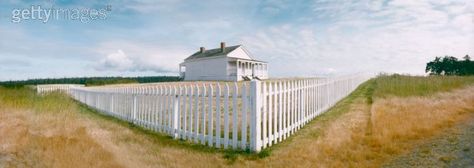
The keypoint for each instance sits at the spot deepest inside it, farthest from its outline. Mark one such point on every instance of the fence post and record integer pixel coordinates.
(134, 106)
(174, 129)
(256, 108)
(111, 107)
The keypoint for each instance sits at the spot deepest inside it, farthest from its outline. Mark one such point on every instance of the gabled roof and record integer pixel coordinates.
(212, 53)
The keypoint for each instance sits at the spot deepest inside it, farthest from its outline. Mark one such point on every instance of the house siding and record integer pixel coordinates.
(239, 53)
(207, 69)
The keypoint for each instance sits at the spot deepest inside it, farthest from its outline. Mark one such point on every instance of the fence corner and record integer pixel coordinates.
(256, 108)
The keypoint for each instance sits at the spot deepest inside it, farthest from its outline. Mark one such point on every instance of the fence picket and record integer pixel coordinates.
(218, 115)
(185, 115)
(270, 113)
(188, 134)
(210, 129)
(280, 111)
(235, 115)
(203, 113)
(196, 114)
(264, 117)
(226, 116)
(244, 111)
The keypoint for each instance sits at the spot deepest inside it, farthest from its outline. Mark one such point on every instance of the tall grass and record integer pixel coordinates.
(55, 131)
(384, 117)
(403, 86)
(403, 111)
(45, 132)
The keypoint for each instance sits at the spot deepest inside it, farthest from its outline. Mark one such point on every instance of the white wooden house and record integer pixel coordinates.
(233, 63)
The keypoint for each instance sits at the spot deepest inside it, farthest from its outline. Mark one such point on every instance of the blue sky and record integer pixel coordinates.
(297, 38)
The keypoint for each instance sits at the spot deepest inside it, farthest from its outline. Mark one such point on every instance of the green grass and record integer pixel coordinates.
(379, 87)
(27, 98)
(22, 97)
(404, 86)
(383, 86)
(56, 102)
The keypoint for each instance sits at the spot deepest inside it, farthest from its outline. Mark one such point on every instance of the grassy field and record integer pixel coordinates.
(404, 86)
(384, 118)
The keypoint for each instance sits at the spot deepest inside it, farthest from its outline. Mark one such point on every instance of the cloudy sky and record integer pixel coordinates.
(297, 38)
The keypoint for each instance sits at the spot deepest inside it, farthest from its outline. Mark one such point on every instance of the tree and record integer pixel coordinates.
(467, 66)
(449, 65)
(467, 58)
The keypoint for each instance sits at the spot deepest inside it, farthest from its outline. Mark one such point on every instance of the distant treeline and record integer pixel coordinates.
(450, 65)
(91, 81)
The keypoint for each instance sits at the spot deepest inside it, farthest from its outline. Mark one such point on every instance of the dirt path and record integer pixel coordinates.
(454, 148)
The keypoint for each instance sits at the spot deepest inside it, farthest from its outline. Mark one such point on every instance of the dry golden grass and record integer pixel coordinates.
(46, 140)
(37, 132)
(367, 137)
(396, 121)
(55, 132)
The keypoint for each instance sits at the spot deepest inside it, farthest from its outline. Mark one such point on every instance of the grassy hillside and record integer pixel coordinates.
(383, 118)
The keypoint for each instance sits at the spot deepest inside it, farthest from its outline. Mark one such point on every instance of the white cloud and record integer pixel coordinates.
(138, 57)
(116, 61)
(398, 37)
(333, 36)
(150, 6)
(209, 24)
(293, 51)
(464, 22)
(296, 51)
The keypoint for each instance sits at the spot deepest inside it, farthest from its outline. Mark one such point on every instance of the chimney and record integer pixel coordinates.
(223, 46)
(202, 49)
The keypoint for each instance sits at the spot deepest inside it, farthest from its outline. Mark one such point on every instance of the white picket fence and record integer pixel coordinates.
(245, 115)
(41, 89)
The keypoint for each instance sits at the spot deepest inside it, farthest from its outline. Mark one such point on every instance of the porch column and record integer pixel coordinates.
(252, 69)
(180, 73)
(247, 65)
(237, 64)
(259, 69)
